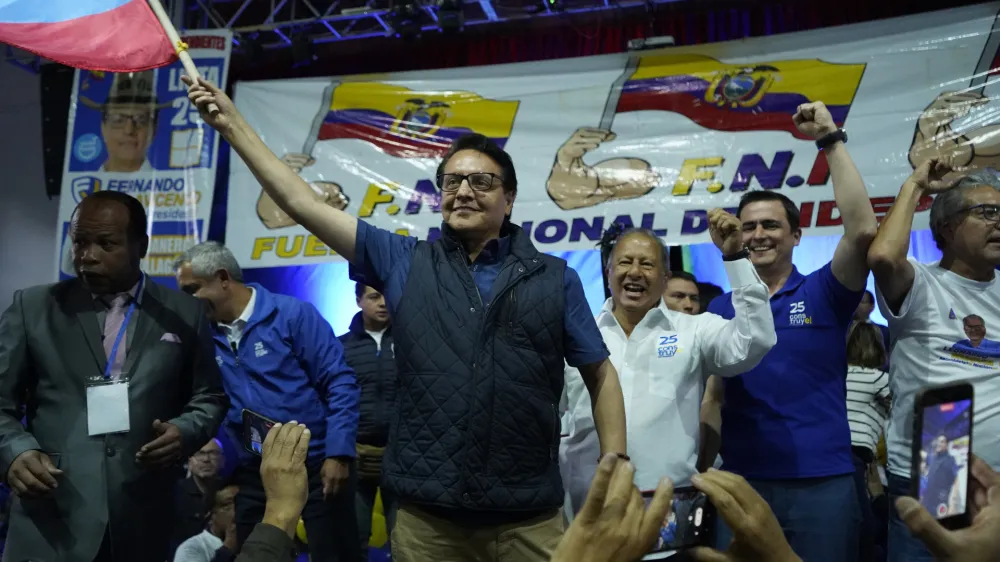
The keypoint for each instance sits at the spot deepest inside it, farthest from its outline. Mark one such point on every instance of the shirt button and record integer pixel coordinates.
(110, 451)
(466, 497)
(472, 309)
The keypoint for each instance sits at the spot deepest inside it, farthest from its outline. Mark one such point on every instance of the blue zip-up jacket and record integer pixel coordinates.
(288, 366)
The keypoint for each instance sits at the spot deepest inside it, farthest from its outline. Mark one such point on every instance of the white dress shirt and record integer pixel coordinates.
(234, 331)
(663, 367)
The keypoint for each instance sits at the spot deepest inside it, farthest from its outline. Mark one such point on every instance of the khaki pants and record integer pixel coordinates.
(422, 537)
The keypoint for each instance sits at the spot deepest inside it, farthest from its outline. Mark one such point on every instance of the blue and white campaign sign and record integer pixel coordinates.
(137, 133)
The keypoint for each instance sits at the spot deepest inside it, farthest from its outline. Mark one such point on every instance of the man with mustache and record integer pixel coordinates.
(784, 423)
(928, 307)
(483, 324)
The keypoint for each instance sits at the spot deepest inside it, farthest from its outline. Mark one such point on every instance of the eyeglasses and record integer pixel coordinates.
(990, 213)
(119, 120)
(480, 181)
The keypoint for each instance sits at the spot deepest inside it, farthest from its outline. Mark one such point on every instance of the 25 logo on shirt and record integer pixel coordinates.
(667, 346)
(797, 314)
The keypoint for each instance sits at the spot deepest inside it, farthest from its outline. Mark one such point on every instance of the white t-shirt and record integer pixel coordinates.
(932, 348)
(377, 336)
(199, 548)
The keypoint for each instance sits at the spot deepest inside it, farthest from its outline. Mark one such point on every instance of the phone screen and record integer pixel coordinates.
(690, 523)
(255, 428)
(944, 455)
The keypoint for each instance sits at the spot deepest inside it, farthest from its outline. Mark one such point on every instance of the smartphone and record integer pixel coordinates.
(690, 523)
(255, 428)
(942, 441)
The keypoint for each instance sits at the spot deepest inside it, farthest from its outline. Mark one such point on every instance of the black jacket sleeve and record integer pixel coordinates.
(266, 543)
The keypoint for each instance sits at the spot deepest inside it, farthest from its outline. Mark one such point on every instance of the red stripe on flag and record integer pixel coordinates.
(126, 39)
(392, 144)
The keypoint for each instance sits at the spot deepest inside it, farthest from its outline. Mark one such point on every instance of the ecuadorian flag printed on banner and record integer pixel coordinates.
(412, 124)
(108, 35)
(739, 97)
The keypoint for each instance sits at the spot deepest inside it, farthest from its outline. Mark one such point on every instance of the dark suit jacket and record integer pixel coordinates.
(50, 345)
(266, 543)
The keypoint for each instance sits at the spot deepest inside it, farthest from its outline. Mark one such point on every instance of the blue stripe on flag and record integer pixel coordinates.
(54, 11)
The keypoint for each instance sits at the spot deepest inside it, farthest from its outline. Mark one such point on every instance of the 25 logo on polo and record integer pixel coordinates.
(667, 346)
(258, 349)
(797, 314)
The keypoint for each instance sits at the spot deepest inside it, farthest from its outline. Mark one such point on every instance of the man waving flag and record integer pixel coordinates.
(108, 35)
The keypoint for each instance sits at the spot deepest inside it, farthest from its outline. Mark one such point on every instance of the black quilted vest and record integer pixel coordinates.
(376, 374)
(477, 423)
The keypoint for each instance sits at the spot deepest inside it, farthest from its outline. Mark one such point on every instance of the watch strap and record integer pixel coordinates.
(742, 254)
(840, 135)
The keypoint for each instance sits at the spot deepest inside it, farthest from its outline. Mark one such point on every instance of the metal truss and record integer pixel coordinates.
(273, 24)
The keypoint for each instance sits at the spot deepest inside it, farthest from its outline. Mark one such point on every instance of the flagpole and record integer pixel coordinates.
(179, 46)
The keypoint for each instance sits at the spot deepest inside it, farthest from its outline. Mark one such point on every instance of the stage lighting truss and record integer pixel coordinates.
(271, 24)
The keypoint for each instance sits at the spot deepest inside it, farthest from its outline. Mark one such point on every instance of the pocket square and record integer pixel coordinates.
(171, 338)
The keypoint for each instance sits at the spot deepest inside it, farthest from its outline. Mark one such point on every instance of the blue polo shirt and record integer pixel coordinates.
(787, 417)
(382, 260)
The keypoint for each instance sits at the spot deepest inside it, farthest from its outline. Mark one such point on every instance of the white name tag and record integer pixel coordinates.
(107, 408)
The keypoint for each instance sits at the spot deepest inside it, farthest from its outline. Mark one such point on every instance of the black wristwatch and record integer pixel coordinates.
(839, 135)
(742, 254)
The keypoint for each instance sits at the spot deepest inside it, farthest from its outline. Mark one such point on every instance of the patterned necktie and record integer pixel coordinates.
(112, 324)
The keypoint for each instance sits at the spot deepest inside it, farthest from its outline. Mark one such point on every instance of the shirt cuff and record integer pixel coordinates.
(741, 273)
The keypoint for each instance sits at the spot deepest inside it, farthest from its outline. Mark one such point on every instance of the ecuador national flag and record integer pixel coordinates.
(739, 97)
(413, 124)
(111, 35)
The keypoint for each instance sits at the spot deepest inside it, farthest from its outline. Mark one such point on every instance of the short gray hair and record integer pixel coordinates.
(207, 258)
(949, 203)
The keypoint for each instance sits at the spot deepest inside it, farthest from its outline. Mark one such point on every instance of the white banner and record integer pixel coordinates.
(138, 134)
(656, 138)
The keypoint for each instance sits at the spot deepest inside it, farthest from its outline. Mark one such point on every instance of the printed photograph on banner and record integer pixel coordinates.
(399, 122)
(137, 133)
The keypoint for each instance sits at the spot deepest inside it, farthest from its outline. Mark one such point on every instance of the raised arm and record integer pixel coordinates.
(733, 347)
(290, 192)
(887, 255)
(849, 264)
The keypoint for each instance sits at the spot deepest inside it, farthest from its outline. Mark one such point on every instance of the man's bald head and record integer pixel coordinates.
(109, 241)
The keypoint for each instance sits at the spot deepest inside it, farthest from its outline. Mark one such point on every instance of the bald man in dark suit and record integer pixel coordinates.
(118, 378)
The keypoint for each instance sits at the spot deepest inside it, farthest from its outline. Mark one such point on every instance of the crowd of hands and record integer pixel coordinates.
(616, 525)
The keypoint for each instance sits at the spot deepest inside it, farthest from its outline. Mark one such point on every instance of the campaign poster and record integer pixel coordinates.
(138, 134)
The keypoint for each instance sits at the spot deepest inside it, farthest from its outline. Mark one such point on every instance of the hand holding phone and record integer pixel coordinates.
(942, 442)
(757, 535)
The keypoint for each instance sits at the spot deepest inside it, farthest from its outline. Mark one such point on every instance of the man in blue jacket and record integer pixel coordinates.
(281, 359)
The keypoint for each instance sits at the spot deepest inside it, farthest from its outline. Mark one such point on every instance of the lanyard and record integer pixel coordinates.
(123, 329)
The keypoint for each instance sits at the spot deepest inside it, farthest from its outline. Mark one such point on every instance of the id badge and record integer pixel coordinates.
(107, 408)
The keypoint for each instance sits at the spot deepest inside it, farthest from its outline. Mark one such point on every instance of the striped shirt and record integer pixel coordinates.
(867, 391)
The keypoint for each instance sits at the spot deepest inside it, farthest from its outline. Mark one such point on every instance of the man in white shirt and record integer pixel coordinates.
(220, 533)
(664, 358)
(926, 305)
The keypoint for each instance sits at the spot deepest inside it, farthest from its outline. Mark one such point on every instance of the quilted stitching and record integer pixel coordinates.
(483, 438)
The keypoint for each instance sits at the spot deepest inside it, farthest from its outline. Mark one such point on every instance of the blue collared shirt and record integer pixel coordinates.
(382, 258)
(787, 417)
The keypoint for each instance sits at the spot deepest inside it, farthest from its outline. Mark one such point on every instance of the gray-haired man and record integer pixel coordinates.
(280, 358)
(925, 305)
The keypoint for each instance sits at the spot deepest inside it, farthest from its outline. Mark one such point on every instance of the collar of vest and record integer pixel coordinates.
(520, 245)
